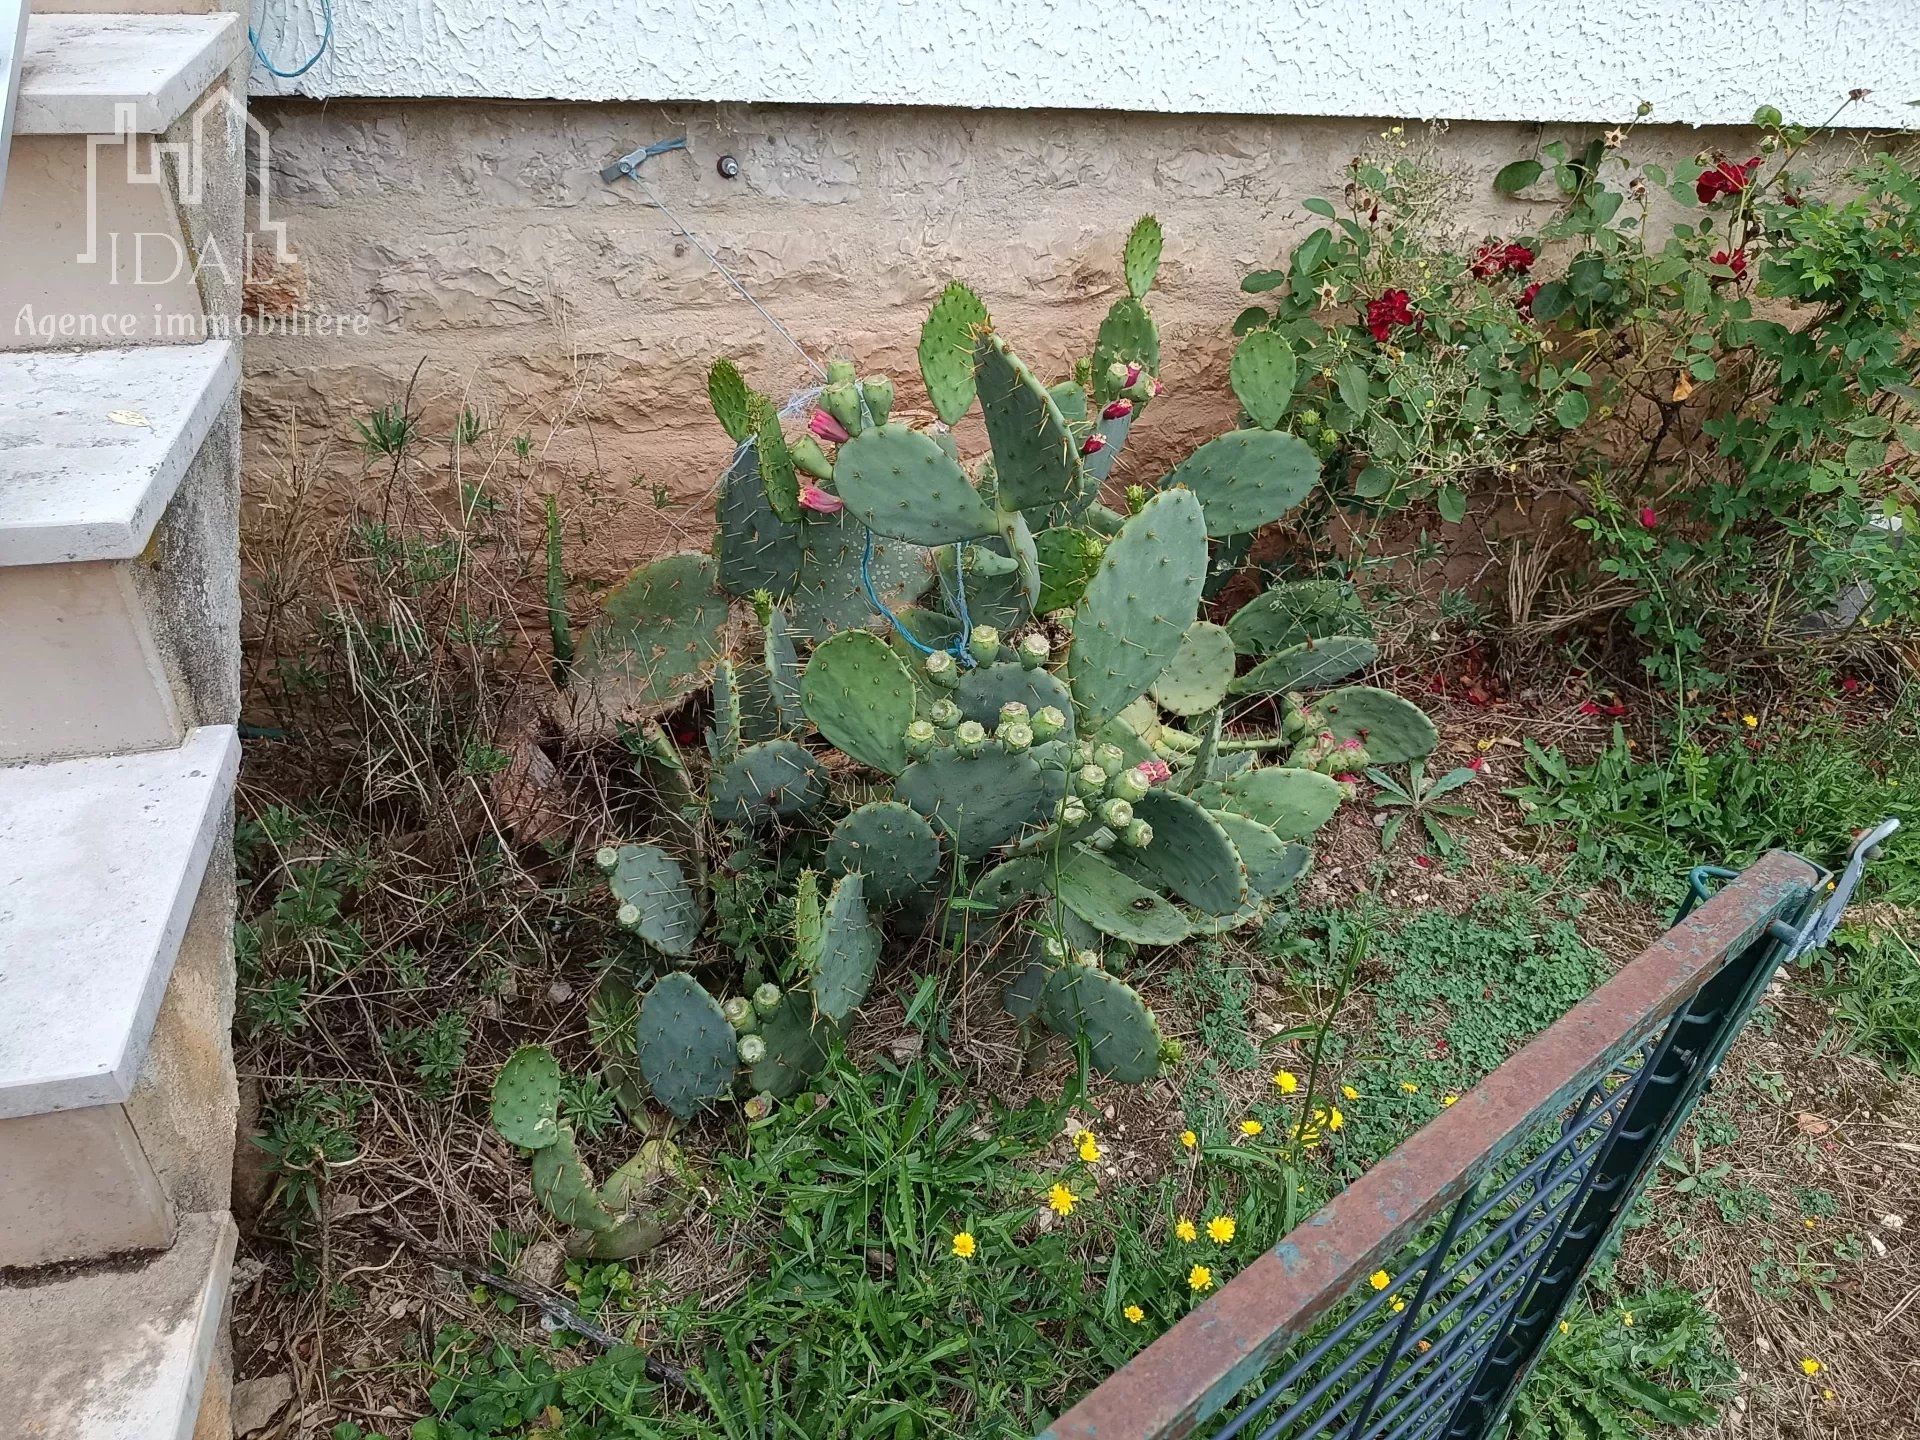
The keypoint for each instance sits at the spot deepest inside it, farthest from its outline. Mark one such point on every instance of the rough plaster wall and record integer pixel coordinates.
(1468, 59)
(480, 239)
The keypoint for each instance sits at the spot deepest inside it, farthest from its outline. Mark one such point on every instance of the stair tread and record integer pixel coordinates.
(117, 1350)
(100, 862)
(77, 72)
(93, 444)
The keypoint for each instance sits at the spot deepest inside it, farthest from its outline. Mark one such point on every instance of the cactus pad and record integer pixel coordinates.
(981, 801)
(898, 482)
(1273, 864)
(946, 350)
(1292, 803)
(984, 689)
(1392, 729)
(1140, 257)
(658, 637)
(1067, 557)
(1122, 1039)
(796, 1039)
(1011, 881)
(774, 779)
(1116, 905)
(526, 1098)
(1035, 459)
(783, 671)
(1197, 677)
(564, 1185)
(778, 478)
(723, 725)
(859, 695)
(1290, 614)
(847, 953)
(649, 879)
(1263, 375)
(1129, 336)
(892, 845)
(683, 1044)
(1247, 478)
(1191, 855)
(1308, 665)
(831, 596)
(756, 549)
(1138, 607)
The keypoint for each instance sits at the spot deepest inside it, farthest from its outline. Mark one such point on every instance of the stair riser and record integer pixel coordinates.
(77, 1185)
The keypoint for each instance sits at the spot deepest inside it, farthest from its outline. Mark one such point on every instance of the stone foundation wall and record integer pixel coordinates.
(484, 250)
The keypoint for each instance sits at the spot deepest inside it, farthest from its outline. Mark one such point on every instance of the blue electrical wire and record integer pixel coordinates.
(326, 39)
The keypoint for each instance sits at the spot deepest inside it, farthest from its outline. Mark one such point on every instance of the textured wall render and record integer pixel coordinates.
(480, 240)
(1459, 59)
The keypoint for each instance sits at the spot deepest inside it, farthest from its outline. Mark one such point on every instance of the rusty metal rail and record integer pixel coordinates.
(1488, 1219)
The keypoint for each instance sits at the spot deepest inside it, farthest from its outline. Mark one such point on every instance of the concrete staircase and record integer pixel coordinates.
(120, 259)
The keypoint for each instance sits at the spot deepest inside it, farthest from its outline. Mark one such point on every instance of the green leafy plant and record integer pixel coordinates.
(1054, 783)
(1874, 983)
(1419, 798)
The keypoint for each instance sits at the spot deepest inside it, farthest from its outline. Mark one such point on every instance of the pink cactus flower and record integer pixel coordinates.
(1093, 444)
(1117, 410)
(825, 427)
(813, 498)
(1154, 772)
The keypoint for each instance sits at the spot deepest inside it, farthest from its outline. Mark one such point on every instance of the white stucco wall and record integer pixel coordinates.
(1543, 60)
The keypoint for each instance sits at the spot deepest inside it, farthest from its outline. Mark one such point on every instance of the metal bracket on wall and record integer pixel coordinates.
(628, 165)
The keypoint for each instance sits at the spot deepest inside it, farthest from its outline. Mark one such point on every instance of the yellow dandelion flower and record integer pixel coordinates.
(1089, 1147)
(1752, 722)
(1220, 1229)
(1189, 1139)
(1287, 1081)
(1348, 1093)
(1626, 1318)
(964, 1245)
(1486, 743)
(1183, 1227)
(1409, 1087)
(1449, 1100)
(1134, 1314)
(1251, 1127)
(1826, 1394)
(1565, 1328)
(1808, 1222)
(1398, 1304)
(1060, 1200)
(1336, 1119)
(1379, 1279)
(1811, 1366)
(1199, 1278)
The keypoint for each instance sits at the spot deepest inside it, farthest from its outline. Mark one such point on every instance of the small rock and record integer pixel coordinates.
(1891, 1222)
(1763, 1345)
(1877, 1245)
(256, 1402)
(906, 1047)
(559, 992)
(541, 1262)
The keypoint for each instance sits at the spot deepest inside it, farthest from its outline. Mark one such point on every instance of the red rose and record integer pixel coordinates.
(1736, 262)
(1488, 260)
(1525, 303)
(1394, 307)
(1726, 178)
(1588, 707)
(1517, 258)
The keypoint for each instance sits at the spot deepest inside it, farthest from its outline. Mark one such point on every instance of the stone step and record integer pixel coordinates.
(93, 443)
(100, 862)
(120, 74)
(117, 1351)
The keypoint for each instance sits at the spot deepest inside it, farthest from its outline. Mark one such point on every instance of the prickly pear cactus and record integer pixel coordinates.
(981, 698)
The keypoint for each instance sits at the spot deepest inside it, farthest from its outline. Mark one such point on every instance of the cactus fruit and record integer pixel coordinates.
(1116, 814)
(656, 901)
(1083, 1001)
(1048, 721)
(985, 691)
(1110, 758)
(1014, 711)
(877, 392)
(1392, 729)
(946, 351)
(1199, 675)
(898, 482)
(1015, 736)
(1129, 785)
(859, 695)
(1310, 663)
(1138, 606)
(1263, 374)
(941, 670)
(847, 952)
(1116, 905)
(1288, 614)
(1194, 857)
(657, 639)
(1137, 836)
(684, 1044)
(1035, 460)
(890, 844)
(1073, 811)
(1246, 479)
(1035, 651)
(841, 400)
(920, 737)
(968, 738)
(945, 715)
(751, 1049)
(984, 643)
(775, 779)
(767, 999)
(526, 1098)
(741, 1014)
(1089, 782)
